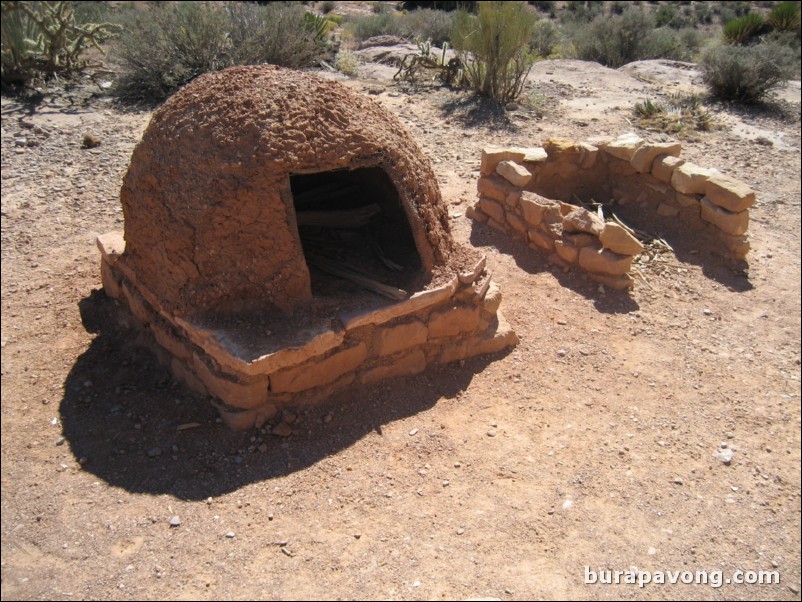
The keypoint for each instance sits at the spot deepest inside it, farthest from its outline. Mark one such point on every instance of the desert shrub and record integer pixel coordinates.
(494, 48)
(744, 30)
(428, 24)
(746, 74)
(44, 39)
(545, 37)
(632, 36)
(174, 42)
(367, 26)
(546, 6)
(785, 17)
(581, 12)
(346, 62)
(379, 8)
(681, 114)
(327, 6)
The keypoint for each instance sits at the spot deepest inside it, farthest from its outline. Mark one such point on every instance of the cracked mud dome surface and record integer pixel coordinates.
(593, 443)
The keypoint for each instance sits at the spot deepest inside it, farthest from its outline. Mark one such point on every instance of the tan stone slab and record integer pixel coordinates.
(165, 338)
(729, 193)
(453, 321)
(318, 373)
(604, 261)
(417, 302)
(497, 340)
(663, 167)
(667, 210)
(646, 154)
(690, 178)
(735, 224)
(411, 363)
(581, 239)
(537, 209)
(566, 251)
(111, 284)
(619, 240)
(687, 200)
(183, 373)
(492, 156)
(515, 174)
(111, 246)
(542, 241)
(624, 146)
(390, 340)
(516, 223)
(492, 209)
(497, 225)
(137, 304)
(618, 168)
(471, 277)
(582, 220)
(492, 298)
(495, 187)
(562, 149)
(738, 246)
(236, 393)
(618, 283)
(587, 155)
(476, 214)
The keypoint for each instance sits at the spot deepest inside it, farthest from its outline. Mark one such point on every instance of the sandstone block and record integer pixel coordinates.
(492, 209)
(687, 200)
(515, 174)
(516, 223)
(411, 363)
(540, 240)
(646, 154)
(537, 209)
(492, 300)
(111, 245)
(738, 246)
(502, 337)
(562, 149)
(728, 193)
(496, 225)
(566, 251)
(603, 261)
(316, 373)
(690, 178)
(473, 276)
(402, 336)
(186, 375)
(234, 392)
(667, 210)
(137, 304)
(170, 342)
(624, 146)
(582, 220)
(476, 214)
(109, 280)
(619, 168)
(581, 239)
(587, 155)
(619, 240)
(618, 283)
(495, 187)
(453, 321)
(492, 156)
(732, 223)
(663, 167)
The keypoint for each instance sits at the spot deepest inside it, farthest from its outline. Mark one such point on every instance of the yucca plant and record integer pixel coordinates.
(785, 17)
(744, 30)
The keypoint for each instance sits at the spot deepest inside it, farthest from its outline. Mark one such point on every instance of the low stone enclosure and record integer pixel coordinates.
(284, 238)
(536, 194)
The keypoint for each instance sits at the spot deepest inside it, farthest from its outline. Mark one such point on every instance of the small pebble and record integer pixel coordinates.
(677, 481)
(413, 432)
(562, 353)
(230, 535)
(154, 452)
(175, 521)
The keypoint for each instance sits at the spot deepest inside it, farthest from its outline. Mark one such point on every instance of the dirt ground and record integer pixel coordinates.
(591, 444)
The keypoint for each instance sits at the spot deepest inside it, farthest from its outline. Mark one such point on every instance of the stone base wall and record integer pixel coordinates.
(442, 325)
(532, 193)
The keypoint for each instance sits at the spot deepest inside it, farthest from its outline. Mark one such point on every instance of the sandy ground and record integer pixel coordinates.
(592, 444)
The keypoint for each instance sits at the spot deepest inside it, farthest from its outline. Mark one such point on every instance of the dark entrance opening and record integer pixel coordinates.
(355, 234)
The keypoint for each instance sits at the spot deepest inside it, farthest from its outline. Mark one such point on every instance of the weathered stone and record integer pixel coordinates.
(402, 336)
(726, 221)
(491, 157)
(566, 251)
(624, 146)
(492, 209)
(473, 276)
(728, 193)
(111, 246)
(183, 373)
(453, 321)
(540, 240)
(619, 168)
(667, 210)
(515, 174)
(537, 209)
(663, 167)
(690, 178)
(604, 262)
(619, 283)
(581, 239)
(501, 338)
(108, 278)
(167, 339)
(686, 200)
(555, 230)
(587, 155)
(235, 392)
(582, 220)
(646, 154)
(619, 240)
(316, 373)
(495, 187)
(476, 214)
(561, 149)
(492, 300)
(513, 198)
(738, 246)
(516, 223)
(137, 304)
(413, 362)
(496, 225)
(661, 188)
(242, 420)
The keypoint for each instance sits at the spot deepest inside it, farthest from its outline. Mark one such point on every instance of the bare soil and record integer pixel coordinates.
(592, 443)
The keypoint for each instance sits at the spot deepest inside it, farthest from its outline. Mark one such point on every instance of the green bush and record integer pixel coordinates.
(617, 40)
(746, 74)
(545, 37)
(174, 42)
(428, 24)
(785, 17)
(744, 30)
(368, 26)
(494, 48)
(44, 39)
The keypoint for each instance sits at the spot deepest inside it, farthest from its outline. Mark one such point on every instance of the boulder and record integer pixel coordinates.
(646, 154)
(727, 192)
(619, 240)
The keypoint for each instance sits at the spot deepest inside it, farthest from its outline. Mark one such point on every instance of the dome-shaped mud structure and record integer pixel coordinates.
(244, 170)
(284, 238)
